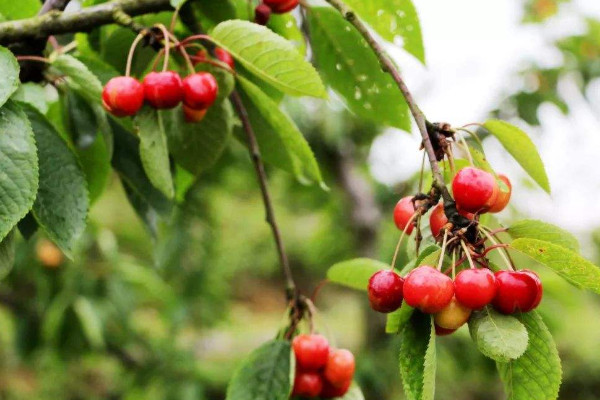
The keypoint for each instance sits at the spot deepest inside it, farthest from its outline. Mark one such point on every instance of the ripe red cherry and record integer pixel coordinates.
(281, 6)
(123, 96)
(340, 367)
(163, 89)
(517, 291)
(308, 384)
(428, 289)
(192, 115)
(503, 197)
(330, 391)
(437, 219)
(200, 90)
(312, 351)
(199, 56)
(453, 316)
(474, 190)
(385, 291)
(262, 14)
(475, 288)
(403, 212)
(224, 56)
(439, 331)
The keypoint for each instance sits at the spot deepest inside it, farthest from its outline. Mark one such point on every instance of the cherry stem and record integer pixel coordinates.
(317, 290)
(165, 33)
(137, 40)
(453, 263)
(444, 242)
(312, 312)
(184, 53)
(473, 135)
(465, 147)
(494, 247)
(174, 19)
(468, 254)
(33, 58)
(196, 37)
(508, 263)
(217, 64)
(408, 224)
(422, 173)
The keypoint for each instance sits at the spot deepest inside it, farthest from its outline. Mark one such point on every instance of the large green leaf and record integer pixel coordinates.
(397, 320)
(270, 57)
(279, 140)
(354, 393)
(355, 273)
(564, 262)
(536, 375)
(80, 75)
(351, 68)
(7, 254)
(520, 146)
(267, 374)
(19, 9)
(19, 166)
(285, 25)
(33, 94)
(154, 152)
(428, 256)
(430, 365)
(533, 229)
(417, 357)
(393, 19)
(499, 337)
(62, 201)
(9, 70)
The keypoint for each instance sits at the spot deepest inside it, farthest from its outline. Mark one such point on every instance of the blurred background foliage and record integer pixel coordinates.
(168, 315)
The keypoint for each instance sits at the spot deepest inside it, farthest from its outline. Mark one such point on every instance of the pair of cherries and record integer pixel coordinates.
(321, 371)
(451, 302)
(263, 11)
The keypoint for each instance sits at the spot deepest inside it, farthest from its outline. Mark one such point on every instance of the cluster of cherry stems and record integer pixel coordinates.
(432, 291)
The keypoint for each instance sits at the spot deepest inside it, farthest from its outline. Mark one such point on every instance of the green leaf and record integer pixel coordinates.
(90, 321)
(355, 273)
(7, 254)
(267, 374)
(19, 166)
(417, 357)
(280, 141)
(393, 19)
(351, 68)
(54, 316)
(430, 366)
(177, 3)
(564, 262)
(62, 201)
(9, 69)
(285, 25)
(397, 320)
(520, 146)
(19, 9)
(534, 229)
(34, 94)
(95, 163)
(79, 75)
(153, 150)
(270, 57)
(499, 337)
(354, 393)
(428, 256)
(536, 375)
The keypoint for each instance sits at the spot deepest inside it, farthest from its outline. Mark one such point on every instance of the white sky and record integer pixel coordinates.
(474, 49)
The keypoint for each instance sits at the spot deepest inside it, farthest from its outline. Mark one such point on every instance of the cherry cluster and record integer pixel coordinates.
(321, 370)
(263, 11)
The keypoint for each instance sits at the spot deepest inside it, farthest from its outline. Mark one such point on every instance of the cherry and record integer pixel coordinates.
(281, 6)
(339, 368)
(200, 90)
(330, 391)
(312, 351)
(123, 96)
(453, 316)
(308, 384)
(439, 331)
(192, 115)
(199, 56)
(262, 14)
(474, 190)
(437, 219)
(403, 212)
(503, 197)
(517, 291)
(163, 89)
(475, 288)
(385, 291)
(428, 289)
(224, 56)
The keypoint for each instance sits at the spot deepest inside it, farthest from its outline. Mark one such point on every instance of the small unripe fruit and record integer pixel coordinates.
(439, 331)
(340, 367)
(428, 289)
(453, 316)
(312, 351)
(517, 291)
(385, 291)
(474, 190)
(262, 14)
(475, 288)
(224, 56)
(49, 254)
(123, 96)
(307, 384)
(330, 391)
(503, 197)
(281, 6)
(192, 115)
(437, 219)
(200, 90)
(163, 90)
(403, 213)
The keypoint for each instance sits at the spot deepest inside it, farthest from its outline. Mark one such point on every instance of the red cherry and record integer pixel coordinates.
(312, 351)
(192, 115)
(385, 291)
(281, 6)
(403, 212)
(474, 190)
(330, 391)
(443, 331)
(123, 96)
(503, 197)
(340, 367)
(308, 384)
(428, 289)
(200, 90)
(163, 89)
(453, 316)
(224, 56)
(262, 14)
(475, 288)
(199, 56)
(437, 219)
(517, 291)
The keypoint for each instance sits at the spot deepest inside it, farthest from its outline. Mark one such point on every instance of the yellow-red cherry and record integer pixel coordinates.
(474, 190)
(281, 6)
(439, 331)
(311, 351)
(200, 90)
(453, 316)
(503, 196)
(163, 90)
(438, 219)
(403, 213)
(339, 368)
(262, 14)
(331, 391)
(307, 384)
(517, 291)
(385, 291)
(428, 289)
(123, 96)
(192, 115)
(475, 288)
